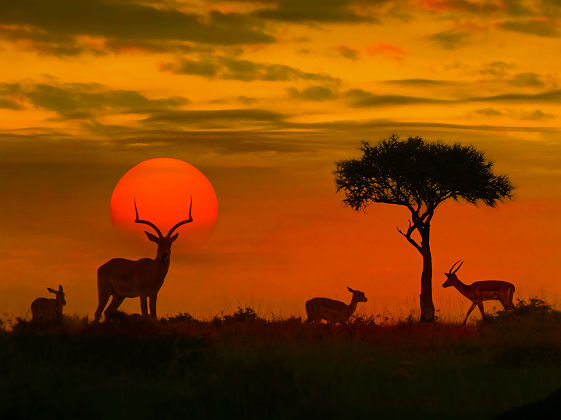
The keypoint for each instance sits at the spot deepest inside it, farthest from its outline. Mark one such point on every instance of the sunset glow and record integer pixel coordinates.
(263, 97)
(163, 190)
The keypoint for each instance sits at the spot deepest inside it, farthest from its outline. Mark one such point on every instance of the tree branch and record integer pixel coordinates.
(407, 235)
(390, 201)
(430, 212)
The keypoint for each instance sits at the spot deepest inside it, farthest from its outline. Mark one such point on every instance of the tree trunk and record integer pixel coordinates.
(427, 306)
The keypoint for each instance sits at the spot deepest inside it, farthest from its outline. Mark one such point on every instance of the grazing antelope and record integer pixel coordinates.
(481, 290)
(333, 311)
(44, 309)
(122, 278)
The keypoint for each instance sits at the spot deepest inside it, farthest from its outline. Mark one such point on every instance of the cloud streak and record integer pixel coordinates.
(223, 118)
(313, 93)
(527, 79)
(324, 11)
(56, 24)
(552, 96)
(243, 70)
(80, 100)
(361, 98)
(450, 39)
(346, 52)
(418, 82)
(538, 27)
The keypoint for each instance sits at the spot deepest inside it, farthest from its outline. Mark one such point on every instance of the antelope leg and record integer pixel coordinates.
(153, 299)
(480, 306)
(469, 312)
(143, 306)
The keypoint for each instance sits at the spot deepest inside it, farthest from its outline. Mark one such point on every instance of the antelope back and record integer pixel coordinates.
(45, 309)
(331, 310)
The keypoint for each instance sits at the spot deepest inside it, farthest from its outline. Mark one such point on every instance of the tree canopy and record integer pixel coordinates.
(419, 175)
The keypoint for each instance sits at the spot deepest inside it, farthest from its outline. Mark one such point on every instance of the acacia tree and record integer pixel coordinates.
(420, 175)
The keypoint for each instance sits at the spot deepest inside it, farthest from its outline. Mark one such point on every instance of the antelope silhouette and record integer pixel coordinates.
(480, 291)
(333, 311)
(43, 309)
(122, 278)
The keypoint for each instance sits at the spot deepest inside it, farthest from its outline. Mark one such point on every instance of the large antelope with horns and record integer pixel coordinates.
(122, 278)
(481, 290)
(333, 311)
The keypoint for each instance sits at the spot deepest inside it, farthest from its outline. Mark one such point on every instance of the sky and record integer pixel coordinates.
(263, 97)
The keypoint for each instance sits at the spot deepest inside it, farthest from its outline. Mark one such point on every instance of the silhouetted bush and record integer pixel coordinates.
(120, 317)
(121, 323)
(180, 317)
(533, 315)
(64, 325)
(243, 315)
(363, 321)
(23, 326)
(535, 307)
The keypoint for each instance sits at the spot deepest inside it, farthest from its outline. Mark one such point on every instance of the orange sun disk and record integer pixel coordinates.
(163, 189)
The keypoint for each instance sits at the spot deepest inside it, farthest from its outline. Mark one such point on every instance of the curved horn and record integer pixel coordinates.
(146, 222)
(189, 220)
(458, 268)
(451, 268)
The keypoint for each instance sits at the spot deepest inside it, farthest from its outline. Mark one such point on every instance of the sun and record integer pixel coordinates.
(163, 189)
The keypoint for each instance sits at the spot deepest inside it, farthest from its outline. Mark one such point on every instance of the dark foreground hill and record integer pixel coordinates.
(549, 407)
(241, 366)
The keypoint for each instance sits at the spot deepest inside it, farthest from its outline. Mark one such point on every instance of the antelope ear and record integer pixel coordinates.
(51, 290)
(350, 290)
(151, 237)
(174, 237)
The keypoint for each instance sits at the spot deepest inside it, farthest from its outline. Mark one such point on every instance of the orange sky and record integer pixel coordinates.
(263, 97)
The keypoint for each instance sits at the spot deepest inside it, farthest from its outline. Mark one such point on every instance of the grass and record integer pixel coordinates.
(242, 366)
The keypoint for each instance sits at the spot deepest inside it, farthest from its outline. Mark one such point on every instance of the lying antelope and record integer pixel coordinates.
(333, 311)
(122, 278)
(481, 290)
(44, 309)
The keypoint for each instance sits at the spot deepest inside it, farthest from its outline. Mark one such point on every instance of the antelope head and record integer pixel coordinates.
(451, 277)
(358, 296)
(59, 294)
(163, 242)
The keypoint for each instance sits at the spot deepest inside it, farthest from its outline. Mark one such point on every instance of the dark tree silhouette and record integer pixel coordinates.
(420, 175)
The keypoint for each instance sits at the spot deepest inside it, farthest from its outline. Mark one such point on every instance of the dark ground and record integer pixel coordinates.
(241, 366)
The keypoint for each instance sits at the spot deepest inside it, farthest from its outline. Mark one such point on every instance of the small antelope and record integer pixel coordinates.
(481, 290)
(333, 311)
(44, 309)
(122, 278)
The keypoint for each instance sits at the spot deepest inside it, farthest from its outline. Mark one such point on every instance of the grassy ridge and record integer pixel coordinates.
(241, 366)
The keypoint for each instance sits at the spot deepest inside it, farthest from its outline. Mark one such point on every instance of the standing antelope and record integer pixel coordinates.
(44, 309)
(122, 278)
(481, 290)
(333, 311)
